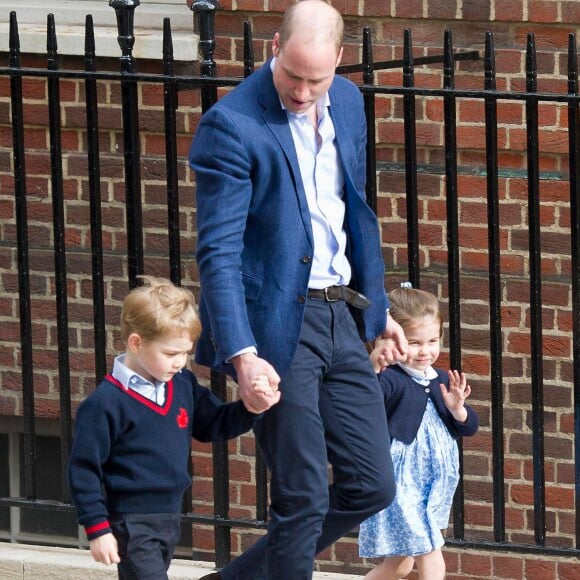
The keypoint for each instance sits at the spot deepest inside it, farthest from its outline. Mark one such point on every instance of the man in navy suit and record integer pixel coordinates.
(292, 278)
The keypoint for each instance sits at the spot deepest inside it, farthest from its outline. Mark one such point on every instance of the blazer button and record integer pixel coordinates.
(427, 390)
(306, 259)
(301, 299)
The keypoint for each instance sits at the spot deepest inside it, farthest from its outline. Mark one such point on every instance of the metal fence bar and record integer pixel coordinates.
(170, 103)
(25, 310)
(94, 181)
(208, 84)
(369, 106)
(204, 12)
(574, 161)
(60, 269)
(495, 344)
(453, 273)
(125, 12)
(535, 293)
(409, 103)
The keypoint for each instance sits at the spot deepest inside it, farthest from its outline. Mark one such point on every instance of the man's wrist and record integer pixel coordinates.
(243, 357)
(248, 349)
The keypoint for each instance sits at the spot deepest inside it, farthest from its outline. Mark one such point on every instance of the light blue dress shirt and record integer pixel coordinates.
(131, 380)
(323, 181)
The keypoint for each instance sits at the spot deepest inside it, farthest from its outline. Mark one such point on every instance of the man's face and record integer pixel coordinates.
(303, 72)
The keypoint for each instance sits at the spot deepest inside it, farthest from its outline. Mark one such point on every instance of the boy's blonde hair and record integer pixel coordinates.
(408, 304)
(159, 308)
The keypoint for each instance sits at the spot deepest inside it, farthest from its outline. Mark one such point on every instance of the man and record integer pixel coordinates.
(292, 277)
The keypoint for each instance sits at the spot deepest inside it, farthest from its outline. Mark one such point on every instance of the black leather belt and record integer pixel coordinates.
(336, 293)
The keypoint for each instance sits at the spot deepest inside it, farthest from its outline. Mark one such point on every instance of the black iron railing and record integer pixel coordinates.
(207, 84)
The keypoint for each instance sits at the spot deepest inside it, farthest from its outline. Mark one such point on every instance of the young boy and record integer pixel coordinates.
(128, 464)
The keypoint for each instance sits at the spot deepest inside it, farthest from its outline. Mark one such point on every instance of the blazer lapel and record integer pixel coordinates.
(276, 119)
(342, 128)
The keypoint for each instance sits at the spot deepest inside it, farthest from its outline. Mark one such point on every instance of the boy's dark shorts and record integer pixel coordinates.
(146, 544)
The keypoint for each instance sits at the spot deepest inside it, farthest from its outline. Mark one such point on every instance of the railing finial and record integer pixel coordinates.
(125, 11)
(204, 11)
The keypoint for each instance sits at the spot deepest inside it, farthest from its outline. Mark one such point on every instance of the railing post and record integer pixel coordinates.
(411, 162)
(535, 265)
(204, 22)
(60, 262)
(25, 308)
(125, 11)
(495, 324)
(94, 182)
(453, 275)
(204, 14)
(574, 162)
(369, 105)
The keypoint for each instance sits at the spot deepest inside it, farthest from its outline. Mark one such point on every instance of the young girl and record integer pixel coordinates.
(426, 412)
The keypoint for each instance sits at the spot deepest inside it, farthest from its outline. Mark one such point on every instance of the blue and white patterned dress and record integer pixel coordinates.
(426, 475)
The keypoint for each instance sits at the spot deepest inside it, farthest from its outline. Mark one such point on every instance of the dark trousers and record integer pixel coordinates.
(146, 544)
(331, 411)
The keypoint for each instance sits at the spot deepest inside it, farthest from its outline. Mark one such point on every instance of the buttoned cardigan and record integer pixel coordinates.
(406, 401)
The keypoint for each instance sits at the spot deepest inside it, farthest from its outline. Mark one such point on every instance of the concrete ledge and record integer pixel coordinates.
(25, 562)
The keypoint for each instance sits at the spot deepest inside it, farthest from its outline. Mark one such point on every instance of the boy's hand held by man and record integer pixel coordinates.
(257, 382)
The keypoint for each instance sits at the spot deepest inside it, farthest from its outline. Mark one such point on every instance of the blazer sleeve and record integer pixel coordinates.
(223, 194)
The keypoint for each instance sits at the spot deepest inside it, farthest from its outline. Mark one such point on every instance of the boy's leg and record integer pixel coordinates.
(146, 544)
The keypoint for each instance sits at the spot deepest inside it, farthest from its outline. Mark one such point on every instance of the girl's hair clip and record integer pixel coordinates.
(406, 285)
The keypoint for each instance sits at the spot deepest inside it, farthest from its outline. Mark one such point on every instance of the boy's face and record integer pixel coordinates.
(158, 359)
(424, 342)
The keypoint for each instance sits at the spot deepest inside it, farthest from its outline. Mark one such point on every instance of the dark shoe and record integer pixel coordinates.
(212, 576)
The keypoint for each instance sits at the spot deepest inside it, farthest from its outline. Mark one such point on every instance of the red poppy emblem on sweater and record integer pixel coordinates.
(182, 418)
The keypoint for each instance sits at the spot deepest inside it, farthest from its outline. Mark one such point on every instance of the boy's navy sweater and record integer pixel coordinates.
(406, 401)
(139, 451)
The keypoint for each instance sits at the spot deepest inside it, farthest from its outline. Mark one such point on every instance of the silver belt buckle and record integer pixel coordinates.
(327, 297)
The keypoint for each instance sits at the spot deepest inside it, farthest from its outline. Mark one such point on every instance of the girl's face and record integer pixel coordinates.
(158, 359)
(424, 342)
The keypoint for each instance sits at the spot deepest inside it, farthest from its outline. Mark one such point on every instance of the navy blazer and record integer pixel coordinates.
(255, 244)
(406, 401)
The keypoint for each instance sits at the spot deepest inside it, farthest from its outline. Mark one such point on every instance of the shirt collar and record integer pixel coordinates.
(424, 377)
(128, 377)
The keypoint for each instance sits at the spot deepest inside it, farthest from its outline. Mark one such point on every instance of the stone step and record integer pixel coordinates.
(28, 562)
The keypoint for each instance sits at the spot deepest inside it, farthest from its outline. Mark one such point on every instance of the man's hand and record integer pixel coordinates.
(257, 382)
(104, 549)
(394, 346)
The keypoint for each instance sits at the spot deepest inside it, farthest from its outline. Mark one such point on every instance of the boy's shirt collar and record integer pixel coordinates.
(154, 391)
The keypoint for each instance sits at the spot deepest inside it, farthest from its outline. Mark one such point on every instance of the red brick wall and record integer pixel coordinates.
(510, 21)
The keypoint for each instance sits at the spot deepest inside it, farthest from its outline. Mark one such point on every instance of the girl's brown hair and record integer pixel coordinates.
(408, 304)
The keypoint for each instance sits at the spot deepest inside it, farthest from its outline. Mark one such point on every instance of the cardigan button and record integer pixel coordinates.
(427, 390)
